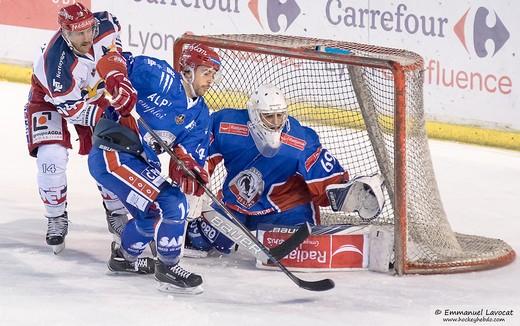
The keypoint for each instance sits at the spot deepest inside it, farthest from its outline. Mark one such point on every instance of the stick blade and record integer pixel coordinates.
(321, 285)
(290, 244)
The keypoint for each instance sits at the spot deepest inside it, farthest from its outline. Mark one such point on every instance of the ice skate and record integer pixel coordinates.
(175, 279)
(118, 263)
(57, 228)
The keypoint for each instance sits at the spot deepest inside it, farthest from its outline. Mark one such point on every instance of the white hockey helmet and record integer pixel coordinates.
(268, 115)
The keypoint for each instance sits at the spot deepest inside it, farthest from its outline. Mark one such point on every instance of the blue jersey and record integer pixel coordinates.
(163, 104)
(157, 207)
(258, 185)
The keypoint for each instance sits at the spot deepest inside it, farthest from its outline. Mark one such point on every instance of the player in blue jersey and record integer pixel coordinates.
(124, 158)
(277, 170)
(66, 89)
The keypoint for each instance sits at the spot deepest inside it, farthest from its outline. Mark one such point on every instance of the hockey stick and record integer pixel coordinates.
(292, 242)
(321, 285)
(232, 231)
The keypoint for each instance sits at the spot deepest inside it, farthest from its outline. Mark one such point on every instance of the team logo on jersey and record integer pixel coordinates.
(56, 86)
(180, 119)
(247, 187)
(93, 91)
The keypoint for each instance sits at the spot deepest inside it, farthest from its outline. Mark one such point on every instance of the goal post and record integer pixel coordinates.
(366, 104)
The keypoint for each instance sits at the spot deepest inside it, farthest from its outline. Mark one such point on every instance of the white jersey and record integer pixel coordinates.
(70, 81)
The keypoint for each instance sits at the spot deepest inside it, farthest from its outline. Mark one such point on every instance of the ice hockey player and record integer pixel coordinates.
(65, 88)
(277, 171)
(172, 104)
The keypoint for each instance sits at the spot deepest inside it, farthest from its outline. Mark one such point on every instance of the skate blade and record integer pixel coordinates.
(127, 271)
(194, 253)
(123, 272)
(56, 249)
(170, 288)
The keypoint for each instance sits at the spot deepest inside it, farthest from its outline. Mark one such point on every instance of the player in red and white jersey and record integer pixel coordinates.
(66, 88)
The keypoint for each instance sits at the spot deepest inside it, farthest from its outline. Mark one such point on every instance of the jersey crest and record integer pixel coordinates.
(179, 119)
(247, 186)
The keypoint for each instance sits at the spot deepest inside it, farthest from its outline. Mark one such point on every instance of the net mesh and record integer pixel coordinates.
(321, 94)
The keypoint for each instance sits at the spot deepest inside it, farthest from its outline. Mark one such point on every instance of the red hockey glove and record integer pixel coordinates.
(112, 68)
(124, 96)
(187, 184)
(111, 62)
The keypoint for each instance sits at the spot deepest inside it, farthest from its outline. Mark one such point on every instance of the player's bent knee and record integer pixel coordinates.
(52, 180)
(52, 159)
(173, 204)
(144, 226)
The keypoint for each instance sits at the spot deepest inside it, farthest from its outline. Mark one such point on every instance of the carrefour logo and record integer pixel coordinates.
(271, 11)
(474, 32)
(400, 19)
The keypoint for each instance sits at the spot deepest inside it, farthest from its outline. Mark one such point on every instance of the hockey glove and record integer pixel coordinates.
(363, 195)
(112, 68)
(124, 96)
(111, 62)
(187, 184)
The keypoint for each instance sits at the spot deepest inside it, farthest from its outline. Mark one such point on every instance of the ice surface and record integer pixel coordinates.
(480, 188)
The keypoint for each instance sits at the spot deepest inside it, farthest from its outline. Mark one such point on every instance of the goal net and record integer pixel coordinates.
(366, 103)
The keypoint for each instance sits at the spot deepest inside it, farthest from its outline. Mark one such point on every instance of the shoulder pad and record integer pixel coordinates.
(107, 24)
(155, 76)
(58, 64)
(231, 114)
